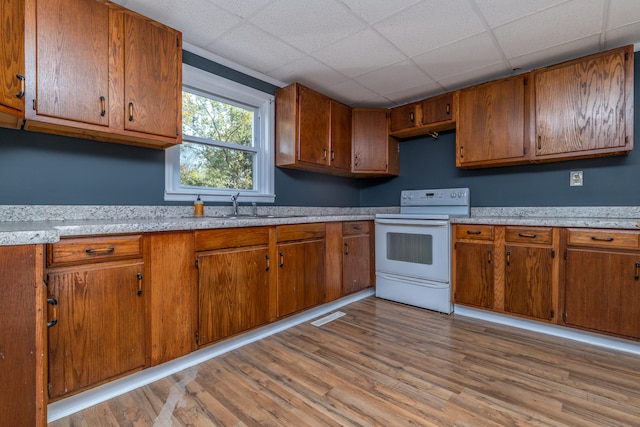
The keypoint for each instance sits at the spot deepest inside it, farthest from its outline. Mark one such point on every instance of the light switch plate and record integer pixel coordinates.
(575, 178)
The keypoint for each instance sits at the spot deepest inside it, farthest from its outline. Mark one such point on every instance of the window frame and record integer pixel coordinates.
(200, 82)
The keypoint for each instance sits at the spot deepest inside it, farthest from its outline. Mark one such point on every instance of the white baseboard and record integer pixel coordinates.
(549, 329)
(78, 402)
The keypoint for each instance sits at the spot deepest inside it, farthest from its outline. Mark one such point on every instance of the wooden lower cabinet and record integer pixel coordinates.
(22, 337)
(474, 274)
(602, 281)
(301, 268)
(234, 271)
(357, 260)
(100, 332)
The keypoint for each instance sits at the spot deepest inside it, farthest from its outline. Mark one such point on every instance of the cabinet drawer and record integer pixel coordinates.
(206, 240)
(602, 238)
(92, 249)
(300, 231)
(356, 227)
(474, 232)
(540, 235)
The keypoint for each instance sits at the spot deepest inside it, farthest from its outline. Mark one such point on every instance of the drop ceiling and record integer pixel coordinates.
(381, 53)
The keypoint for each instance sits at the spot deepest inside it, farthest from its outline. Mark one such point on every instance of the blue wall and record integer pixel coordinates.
(429, 163)
(40, 168)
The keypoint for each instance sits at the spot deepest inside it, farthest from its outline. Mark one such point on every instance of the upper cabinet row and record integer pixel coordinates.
(90, 68)
(577, 109)
(317, 133)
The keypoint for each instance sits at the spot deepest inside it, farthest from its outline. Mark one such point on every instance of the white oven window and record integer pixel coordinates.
(413, 248)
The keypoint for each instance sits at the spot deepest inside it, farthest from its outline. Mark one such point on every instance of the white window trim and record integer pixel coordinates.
(203, 81)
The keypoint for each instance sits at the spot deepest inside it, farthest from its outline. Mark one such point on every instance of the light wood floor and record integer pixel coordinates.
(387, 364)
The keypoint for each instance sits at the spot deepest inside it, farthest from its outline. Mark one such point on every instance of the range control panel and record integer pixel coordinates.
(439, 197)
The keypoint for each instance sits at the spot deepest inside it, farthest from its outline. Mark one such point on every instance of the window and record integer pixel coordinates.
(227, 142)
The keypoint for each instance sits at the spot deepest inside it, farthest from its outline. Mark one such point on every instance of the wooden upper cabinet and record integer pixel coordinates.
(153, 82)
(72, 66)
(584, 108)
(12, 81)
(96, 70)
(313, 126)
(340, 152)
(375, 153)
(433, 114)
(492, 123)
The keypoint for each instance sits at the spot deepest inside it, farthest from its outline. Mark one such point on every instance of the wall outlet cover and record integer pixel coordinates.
(575, 178)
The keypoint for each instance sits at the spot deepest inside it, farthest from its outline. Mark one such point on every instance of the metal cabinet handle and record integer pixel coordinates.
(139, 292)
(489, 253)
(131, 111)
(448, 109)
(346, 248)
(474, 232)
(103, 110)
(637, 276)
(22, 83)
(100, 251)
(53, 303)
(333, 155)
(528, 235)
(508, 257)
(539, 142)
(462, 151)
(412, 117)
(324, 154)
(268, 263)
(602, 239)
(281, 260)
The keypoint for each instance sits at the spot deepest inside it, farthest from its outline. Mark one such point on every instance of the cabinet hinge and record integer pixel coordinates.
(197, 263)
(197, 338)
(553, 253)
(553, 313)
(45, 280)
(564, 316)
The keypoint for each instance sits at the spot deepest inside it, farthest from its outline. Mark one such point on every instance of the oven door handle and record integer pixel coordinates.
(427, 222)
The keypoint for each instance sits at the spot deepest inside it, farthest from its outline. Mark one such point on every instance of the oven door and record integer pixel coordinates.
(414, 248)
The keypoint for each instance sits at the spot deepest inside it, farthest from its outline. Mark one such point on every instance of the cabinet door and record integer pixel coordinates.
(313, 127)
(437, 109)
(340, 136)
(602, 290)
(581, 106)
(356, 272)
(12, 54)
(233, 292)
(72, 66)
(474, 274)
(372, 146)
(100, 333)
(528, 281)
(21, 337)
(301, 277)
(404, 117)
(152, 78)
(491, 125)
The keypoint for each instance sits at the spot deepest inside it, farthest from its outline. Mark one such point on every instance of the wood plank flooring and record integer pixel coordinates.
(387, 364)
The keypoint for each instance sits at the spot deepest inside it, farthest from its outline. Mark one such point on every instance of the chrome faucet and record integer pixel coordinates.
(234, 200)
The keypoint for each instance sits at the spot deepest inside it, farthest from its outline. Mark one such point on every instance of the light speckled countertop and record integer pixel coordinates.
(47, 224)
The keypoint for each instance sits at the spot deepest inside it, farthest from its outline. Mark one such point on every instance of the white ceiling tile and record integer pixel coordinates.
(349, 92)
(243, 9)
(472, 77)
(421, 91)
(557, 54)
(623, 12)
(252, 47)
(376, 102)
(498, 12)
(307, 24)
(429, 25)
(373, 11)
(551, 27)
(359, 54)
(194, 22)
(394, 78)
(308, 71)
(629, 34)
(471, 53)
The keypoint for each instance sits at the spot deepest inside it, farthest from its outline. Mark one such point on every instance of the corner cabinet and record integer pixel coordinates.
(375, 153)
(430, 115)
(97, 315)
(492, 123)
(584, 108)
(12, 79)
(99, 71)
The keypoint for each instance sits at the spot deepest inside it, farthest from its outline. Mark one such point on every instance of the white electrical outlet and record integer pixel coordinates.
(575, 178)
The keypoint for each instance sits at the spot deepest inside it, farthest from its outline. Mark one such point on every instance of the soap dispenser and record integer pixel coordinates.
(198, 207)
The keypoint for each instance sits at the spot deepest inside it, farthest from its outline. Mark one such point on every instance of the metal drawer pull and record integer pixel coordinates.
(100, 251)
(54, 303)
(448, 109)
(474, 232)
(103, 111)
(281, 260)
(22, 80)
(139, 292)
(346, 248)
(268, 263)
(602, 239)
(131, 111)
(637, 276)
(412, 117)
(529, 235)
